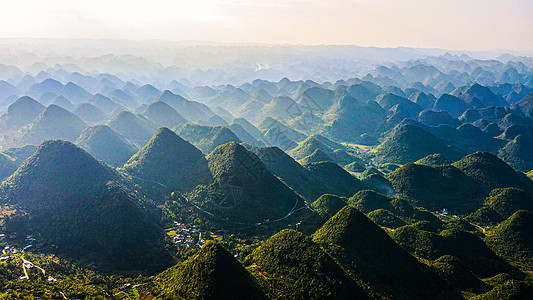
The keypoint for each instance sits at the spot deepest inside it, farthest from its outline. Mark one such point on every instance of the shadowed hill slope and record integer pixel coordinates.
(105, 144)
(170, 160)
(85, 209)
(212, 273)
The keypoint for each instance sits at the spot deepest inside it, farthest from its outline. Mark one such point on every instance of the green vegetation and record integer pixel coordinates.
(513, 238)
(409, 143)
(500, 204)
(212, 273)
(506, 287)
(435, 188)
(491, 171)
(291, 266)
(81, 206)
(136, 128)
(317, 148)
(53, 123)
(244, 192)
(390, 211)
(106, 145)
(359, 245)
(328, 205)
(335, 178)
(206, 138)
(171, 161)
(434, 160)
(290, 172)
(430, 245)
(518, 153)
(452, 271)
(385, 218)
(368, 200)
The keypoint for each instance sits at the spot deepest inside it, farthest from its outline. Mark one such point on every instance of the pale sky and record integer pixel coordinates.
(450, 24)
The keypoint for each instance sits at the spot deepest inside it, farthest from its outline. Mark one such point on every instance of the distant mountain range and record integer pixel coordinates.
(381, 174)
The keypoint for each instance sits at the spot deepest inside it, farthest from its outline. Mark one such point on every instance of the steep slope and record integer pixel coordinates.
(467, 138)
(513, 238)
(7, 90)
(270, 124)
(135, 128)
(390, 212)
(435, 188)
(483, 94)
(328, 205)
(500, 204)
(298, 268)
(283, 108)
(75, 92)
(360, 246)
(451, 104)
(106, 145)
(170, 160)
(20, 154)
(526, 105)
(190, 110)
(90, 113)
(423, 100)
(277, 138)
(518, 153)
(368, 200)
(316, 156)
(487, 169)
(147, 92)
(388, 101)
(206, 138)
(63, 102)
(292, 173)
(20, 113)
(334, 151)
(85, 209)
(212, 273)
(105, 104)
(434, 160)
(409, 143)
(435, 118)
(7, 166)
(53, 123)
(334, 178)
(164, 115)
(476, 256)
(251, 129)
(349, 118)
(243, 191)
(243, 135)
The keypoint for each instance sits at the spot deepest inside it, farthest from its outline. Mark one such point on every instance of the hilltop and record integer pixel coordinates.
(409, 143)
(212, 273)
(106, 145)
(500, 204)
(21, 113)
(243, 190)
(513, 238)
(53, 123)
(170, 160)
(137, 129)
(83, 207)
(360, 246)
(298, 268)
(206, 138)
